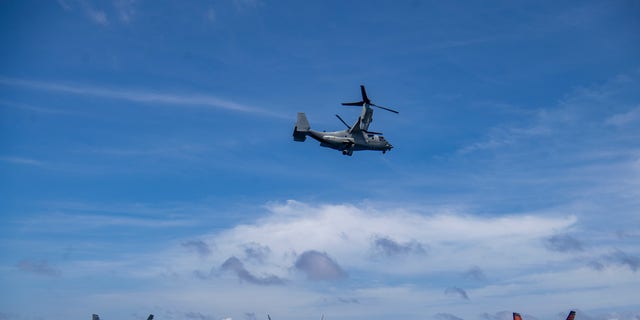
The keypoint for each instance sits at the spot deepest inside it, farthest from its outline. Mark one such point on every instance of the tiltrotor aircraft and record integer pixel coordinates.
(357, 137)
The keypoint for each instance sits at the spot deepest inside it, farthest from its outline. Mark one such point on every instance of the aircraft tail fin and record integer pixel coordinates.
(572, 315)
(301, 128)
(517, 316)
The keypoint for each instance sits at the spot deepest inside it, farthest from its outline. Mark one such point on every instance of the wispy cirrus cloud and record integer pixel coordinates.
(40, 267)
(124, 9)
(79, 221)
(97, 16)
(22, 161)
(587, 112)
(140, 96)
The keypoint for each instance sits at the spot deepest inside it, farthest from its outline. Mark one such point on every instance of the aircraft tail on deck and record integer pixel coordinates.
(301, 128)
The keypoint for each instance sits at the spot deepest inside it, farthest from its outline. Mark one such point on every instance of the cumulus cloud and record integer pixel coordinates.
(40, 267)
(257, 252)
(616, 258)
(350, 234)
(387, 247)
(563, 243)
(620, 315)
(457, 292)
(198, 246)
(502, 315)
(349, 300)
(234, 264)
(446, 316)
(475, 273)
(319, 266)
(198, 316)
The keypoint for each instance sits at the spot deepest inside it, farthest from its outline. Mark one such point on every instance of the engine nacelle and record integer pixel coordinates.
(334, 139)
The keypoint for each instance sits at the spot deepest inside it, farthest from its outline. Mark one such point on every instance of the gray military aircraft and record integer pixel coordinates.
(357, 137)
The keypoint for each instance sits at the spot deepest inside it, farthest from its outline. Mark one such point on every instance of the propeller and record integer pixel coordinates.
(348, 126)
(366, 100)
(385, 108)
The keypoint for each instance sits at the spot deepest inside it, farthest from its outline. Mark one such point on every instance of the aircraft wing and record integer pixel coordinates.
(356, 126)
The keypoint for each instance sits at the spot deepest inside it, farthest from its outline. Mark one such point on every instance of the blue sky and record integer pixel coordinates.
(147, 164)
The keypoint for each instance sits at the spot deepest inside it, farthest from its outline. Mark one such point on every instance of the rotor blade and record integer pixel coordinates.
(385, 108)
(359, 104)
(364, 95)
(343, 122)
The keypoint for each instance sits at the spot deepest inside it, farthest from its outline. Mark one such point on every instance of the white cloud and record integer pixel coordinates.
(193, 100)
(22, 161)
(574, 120)
(211, 14)
(346, 234)
(624, 118)
(125, 9)
(98, 16)
(509, 249)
